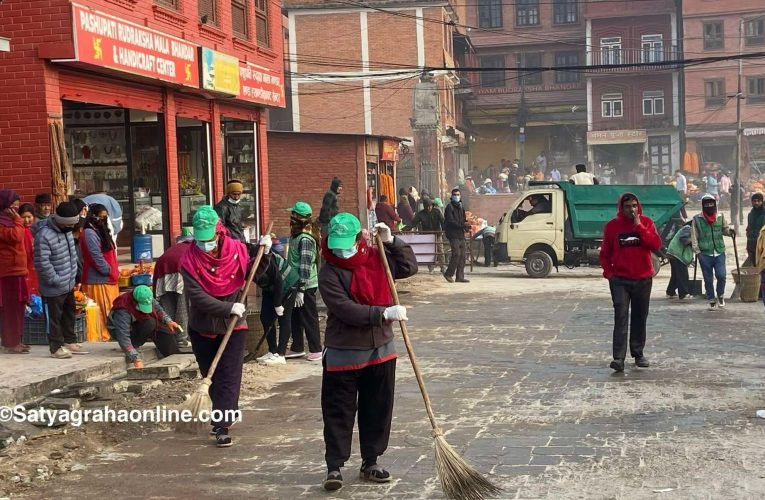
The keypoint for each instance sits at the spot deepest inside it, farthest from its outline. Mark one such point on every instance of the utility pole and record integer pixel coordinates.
(739, 96)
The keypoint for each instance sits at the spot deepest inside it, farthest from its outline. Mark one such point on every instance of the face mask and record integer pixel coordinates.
(710, 210)
(207, 246)
(345, 253)
(456, 198)
(235, 202)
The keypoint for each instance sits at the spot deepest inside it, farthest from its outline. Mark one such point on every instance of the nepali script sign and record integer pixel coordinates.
(110, 42)
(261, 85)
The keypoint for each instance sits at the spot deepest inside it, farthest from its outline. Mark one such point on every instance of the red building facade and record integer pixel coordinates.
(158, 104)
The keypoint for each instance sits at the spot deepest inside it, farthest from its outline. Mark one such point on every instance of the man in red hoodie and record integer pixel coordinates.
(625, 255)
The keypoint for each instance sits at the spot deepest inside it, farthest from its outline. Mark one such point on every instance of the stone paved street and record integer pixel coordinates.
(518, 373)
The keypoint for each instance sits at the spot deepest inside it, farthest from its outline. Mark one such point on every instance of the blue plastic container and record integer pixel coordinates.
(141, 248)
(140, 279)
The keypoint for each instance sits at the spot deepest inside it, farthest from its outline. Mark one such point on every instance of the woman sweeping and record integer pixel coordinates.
(359, 358)
(100, 272)
(214, 270)
(14, 293)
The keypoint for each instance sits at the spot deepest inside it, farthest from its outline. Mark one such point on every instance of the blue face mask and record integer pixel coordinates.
(456, 198)
(207, 246)
(345, 253)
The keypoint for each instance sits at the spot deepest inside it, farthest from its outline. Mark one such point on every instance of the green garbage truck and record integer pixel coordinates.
(555, 224)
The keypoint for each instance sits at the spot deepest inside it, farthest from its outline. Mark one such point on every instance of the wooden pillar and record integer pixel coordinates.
(171, 163)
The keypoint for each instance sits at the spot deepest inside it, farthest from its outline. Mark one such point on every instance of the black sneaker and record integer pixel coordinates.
(374, 473)
(617, 365)
(222, 439)
(334, 481)
(448, 278)
(463, 280)
(642, 362)
(214, 430)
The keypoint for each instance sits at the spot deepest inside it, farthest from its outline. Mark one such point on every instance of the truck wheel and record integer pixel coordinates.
(539, 264)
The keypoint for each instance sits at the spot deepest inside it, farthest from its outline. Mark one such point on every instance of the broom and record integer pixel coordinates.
(457, 477)
(200, 401)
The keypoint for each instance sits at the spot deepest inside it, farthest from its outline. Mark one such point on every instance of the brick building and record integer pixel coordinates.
(361, 80)
(517, 115)
(714, 29)
(633, 123)
(158, 103)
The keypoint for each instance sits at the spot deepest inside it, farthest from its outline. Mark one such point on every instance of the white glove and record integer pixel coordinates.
(395, 313)
(384, 231)
(279, 310)
(238, 309)
(299, 300)
(265, 241)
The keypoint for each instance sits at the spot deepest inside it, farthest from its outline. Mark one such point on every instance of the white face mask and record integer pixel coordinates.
(345, 253)
(207, 246)
(235, 202)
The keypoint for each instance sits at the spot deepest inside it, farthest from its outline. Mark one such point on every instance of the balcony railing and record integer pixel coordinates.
(616, 60)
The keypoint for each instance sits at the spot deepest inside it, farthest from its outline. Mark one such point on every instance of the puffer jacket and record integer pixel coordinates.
(55, 259)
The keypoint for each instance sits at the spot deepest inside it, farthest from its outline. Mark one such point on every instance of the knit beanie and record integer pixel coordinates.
(67, 214)
(43, 198)
(234, 186)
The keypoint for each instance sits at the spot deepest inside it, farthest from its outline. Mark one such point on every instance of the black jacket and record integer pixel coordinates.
(329, 206)
(454, 221)
(427, 221)
(231, 217)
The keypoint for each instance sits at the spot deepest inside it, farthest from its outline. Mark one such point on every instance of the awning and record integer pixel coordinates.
(597, 137)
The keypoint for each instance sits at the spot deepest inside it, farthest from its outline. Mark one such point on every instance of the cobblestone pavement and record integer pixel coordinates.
(518, 374)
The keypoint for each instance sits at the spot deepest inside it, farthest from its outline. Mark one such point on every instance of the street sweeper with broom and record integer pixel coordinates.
(215, 270)
(359, 357)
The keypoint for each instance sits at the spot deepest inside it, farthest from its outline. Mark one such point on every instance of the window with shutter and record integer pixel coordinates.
(208, 9)
(261, 23)
(239, 18)
(170, 4)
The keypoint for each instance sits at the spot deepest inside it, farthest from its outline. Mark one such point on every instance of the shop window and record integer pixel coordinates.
(239, 18)
(660, 151)
(193, 167)
(527, 12)
(261, 23)
(208, 11)
(530, 60)
(714, 38)
(611, 50)
(714, 92)
(241, 163)
(754, 32)
(494, 78)
(651, 48)
(170, 4)
(490, 13)
(612, 105)
(563, 59)
(653, 102)
(756, 89)
(566, 11)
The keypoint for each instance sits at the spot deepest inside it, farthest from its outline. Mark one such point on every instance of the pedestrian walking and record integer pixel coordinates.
(386, 213)
(431, 219)
(455, 225)
(681, 186)
(136, 317)
(629, 239)
(278, 283)
(359, 371)
(229, 210)
(303, 255)
(680, 251)
(214, 270)
(329, 204)
(56, 265)
(168, 289)
(100, 272)
(14, 286)
(754, 222)
(27, 214)
(709, 227)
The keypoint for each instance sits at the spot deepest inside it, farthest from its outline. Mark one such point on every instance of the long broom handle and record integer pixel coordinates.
(735, 252)
(407, 341)
(242, 297)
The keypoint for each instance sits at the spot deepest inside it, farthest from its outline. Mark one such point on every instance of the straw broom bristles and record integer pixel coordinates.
(197, 403)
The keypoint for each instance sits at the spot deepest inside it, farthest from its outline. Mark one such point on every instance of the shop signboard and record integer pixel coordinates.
(261, 85)
(109, 42)
(220, 72)
(389, 150)
(597, 137)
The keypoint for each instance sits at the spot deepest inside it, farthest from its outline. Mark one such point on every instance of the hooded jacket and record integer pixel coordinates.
(708, 238)
(755, 222)
(329, 206)
(626, 249)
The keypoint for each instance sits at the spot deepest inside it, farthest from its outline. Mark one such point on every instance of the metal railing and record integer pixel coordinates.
(651, 57)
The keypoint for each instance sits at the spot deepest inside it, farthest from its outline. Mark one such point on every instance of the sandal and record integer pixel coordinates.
(19, 349)
(374, 473)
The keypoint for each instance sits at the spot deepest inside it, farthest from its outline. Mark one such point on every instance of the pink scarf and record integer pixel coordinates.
(218, 276)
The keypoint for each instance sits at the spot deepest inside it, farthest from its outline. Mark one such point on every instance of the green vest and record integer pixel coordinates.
(709, 237)
(676, 248)
(293, 259)
(289, 275)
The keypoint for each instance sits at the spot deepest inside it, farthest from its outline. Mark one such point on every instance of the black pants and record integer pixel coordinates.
(164, 340)
(61, 312)
(268, 319)
(306, 319)
(631, 299)
(457, 258)
(678, 281)
(227, 379)
(488, 250)
(370, 390)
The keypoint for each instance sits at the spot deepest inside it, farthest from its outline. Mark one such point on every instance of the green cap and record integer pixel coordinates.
(437, 202)
(205, 220)
(143, 298)
(301, 208)
(343, 229)
(186, 231)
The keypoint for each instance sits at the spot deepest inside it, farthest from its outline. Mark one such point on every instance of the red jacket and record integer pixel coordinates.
(13, 251)
(626, 249)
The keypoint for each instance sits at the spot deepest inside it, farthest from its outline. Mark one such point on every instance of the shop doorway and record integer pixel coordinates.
(240, 139)
(194, 167)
